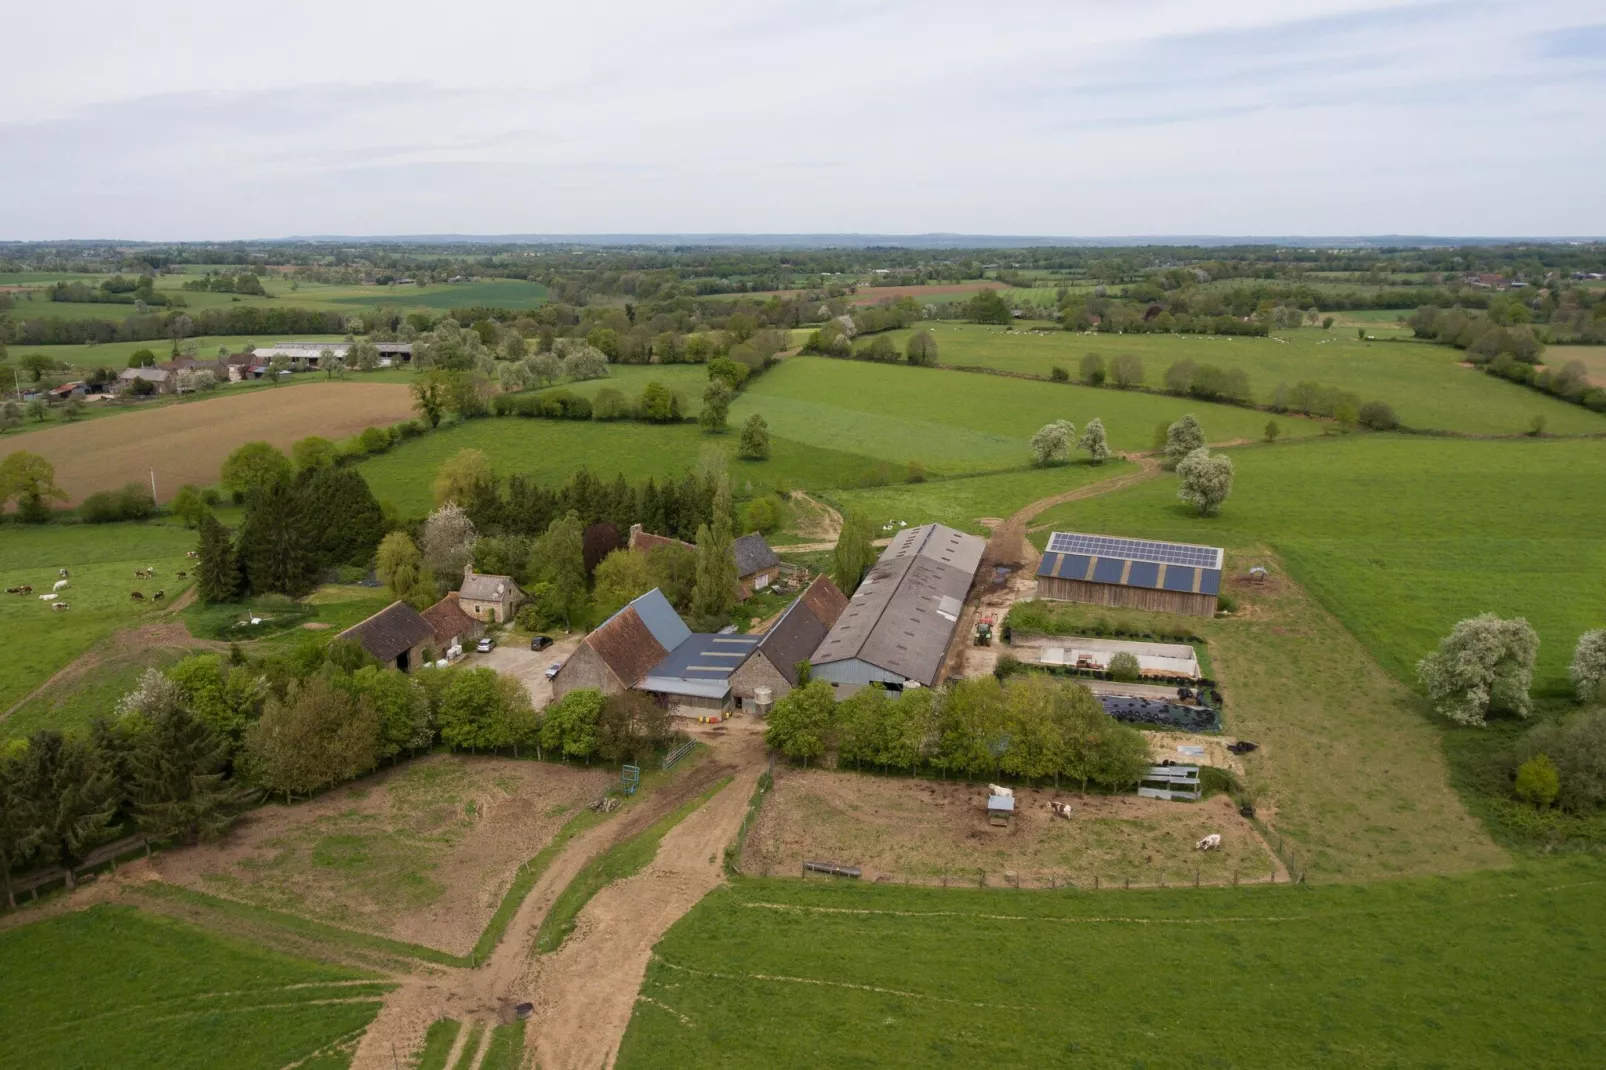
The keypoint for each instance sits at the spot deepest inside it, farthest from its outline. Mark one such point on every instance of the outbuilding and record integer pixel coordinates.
(788, 642)
(1102, 570)
(397, 636)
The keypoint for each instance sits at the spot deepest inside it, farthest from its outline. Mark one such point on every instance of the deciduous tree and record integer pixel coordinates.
(1094, 441)
(1182, 438)
(855, 551)
(30, 481)
(254, 466)
(1204, 480)
(1484, 665)
(755, 444)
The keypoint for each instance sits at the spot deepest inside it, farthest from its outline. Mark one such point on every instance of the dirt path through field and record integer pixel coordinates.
(816, 522)
(584, 993)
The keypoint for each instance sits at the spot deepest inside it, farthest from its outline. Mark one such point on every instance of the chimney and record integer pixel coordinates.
(635, 529)
(468, 570)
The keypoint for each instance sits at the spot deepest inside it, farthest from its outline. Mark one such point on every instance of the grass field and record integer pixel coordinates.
(491, 293)
(166, 995)
(552, 450)
(102, 559)
(781, 973)
(188, 443)
(961, 501)
(958, 422)
(1401, 537)
(688, 380)
(1423, 382)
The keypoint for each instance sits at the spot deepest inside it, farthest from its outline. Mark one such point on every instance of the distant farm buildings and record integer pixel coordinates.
(1164, 577)
(897, 627)
(756, 564)
(309, 355)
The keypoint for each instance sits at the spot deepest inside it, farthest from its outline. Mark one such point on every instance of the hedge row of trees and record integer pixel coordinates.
(1509, 349)
(187, 749)
(1032, 728)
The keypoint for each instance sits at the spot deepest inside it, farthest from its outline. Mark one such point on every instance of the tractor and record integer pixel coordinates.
(984, 632)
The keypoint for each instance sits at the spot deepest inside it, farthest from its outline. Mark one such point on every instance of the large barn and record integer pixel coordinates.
(1165, 577)
(898, 624)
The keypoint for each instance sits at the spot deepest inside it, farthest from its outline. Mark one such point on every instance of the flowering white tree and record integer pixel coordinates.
(1588, 670)
(1094, 441)
(449, 538)
(1052, 443)
(1204, 479)
(1485, 664)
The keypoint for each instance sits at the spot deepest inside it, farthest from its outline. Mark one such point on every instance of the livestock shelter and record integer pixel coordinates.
(621, 650)
(1163, 577)
(697, 672)
(397, 636)
(898, 624)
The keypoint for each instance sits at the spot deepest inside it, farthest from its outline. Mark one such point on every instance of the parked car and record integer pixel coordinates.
(540, 642)
(485, 645)
(552, 670)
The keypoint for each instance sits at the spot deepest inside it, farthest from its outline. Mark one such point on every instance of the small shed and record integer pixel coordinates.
(1171, 782)
(1000, 808)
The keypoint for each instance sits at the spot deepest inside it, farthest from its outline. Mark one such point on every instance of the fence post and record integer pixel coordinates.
(1196, 876)
(1128, 884)
(1095, 882)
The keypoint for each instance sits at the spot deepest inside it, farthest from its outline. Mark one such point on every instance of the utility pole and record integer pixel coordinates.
(153, 486)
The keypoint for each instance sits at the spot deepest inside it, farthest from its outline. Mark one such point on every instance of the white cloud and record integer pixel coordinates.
(1046, 118)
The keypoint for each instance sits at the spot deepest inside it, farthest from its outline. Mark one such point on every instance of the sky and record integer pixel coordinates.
(208, 121)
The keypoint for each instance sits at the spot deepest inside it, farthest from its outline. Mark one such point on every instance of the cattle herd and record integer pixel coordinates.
(54, 597)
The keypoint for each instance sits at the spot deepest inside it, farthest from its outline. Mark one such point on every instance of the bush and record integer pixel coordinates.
(1059, 375)
(133, 502)
(1576, 749)
(1537, 781)
(1378, 415)
(1124, 667)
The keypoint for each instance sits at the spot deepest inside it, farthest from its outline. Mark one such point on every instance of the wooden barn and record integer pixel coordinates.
(1164, 577)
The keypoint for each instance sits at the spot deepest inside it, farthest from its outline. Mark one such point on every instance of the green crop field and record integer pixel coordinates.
(687, 380)
(112, 986)
(1423, 382)
(782, 973)
(552, 450)
(962, 422)
(102, 559)
(1401, 537)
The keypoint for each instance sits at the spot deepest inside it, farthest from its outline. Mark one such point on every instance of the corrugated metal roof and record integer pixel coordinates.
(701, 665)
(659, 617)
(902, 616)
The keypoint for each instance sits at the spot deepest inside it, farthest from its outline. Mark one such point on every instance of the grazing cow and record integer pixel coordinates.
(59, 606)
(1061, 809)
(59, 585)
(51, 597)
(157, 597)
(24, 589)
(136, 596)
(192, 555)
(183, 575)
(995, 789)
(1211, 842)
(63, 572)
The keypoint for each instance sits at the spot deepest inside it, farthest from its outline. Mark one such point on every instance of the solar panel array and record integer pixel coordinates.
(1164, 553)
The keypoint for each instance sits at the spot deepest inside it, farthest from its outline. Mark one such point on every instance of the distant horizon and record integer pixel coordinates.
(855, 239)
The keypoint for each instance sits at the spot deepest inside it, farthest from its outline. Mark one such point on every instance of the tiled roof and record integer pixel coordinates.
(486, 588)
(395, 628)
(447, 619)
(626, 645)
(753, 554)
(802, 627)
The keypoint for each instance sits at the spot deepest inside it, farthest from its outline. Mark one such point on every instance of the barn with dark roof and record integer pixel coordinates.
(397, 636)
(1102, 570)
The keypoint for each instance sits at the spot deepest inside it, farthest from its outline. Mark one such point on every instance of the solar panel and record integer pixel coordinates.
(1162, 553)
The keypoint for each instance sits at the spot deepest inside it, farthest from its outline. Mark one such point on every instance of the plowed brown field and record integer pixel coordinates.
(188, 443)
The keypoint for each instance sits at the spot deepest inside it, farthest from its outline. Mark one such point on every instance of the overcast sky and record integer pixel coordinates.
(194, 121)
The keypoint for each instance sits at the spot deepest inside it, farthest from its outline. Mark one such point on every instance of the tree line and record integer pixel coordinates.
(1031, 727)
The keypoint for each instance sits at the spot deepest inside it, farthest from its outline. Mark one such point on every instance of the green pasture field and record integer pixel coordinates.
(1592, 357)
(167, 995)
(956, 422)
(553, 450)
(687, 380)
(1417, 973)
(960, 501)
(102, 559)
(1401, 537)
(116, 354)
(1423, 382)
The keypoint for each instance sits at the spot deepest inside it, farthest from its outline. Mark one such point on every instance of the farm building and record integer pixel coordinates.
(452, 626)
(161, 378)
(397, 636)
(1165, 577)
(621, 650)
(309, 355)
(488, 597)
(647, 647)
(897, 627)
(795, 635)
(756, 564)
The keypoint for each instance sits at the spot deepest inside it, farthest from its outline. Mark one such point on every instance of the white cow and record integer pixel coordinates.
(59, 585)
(997, 789)
(60, 606)
(1211, 842)
(1061, 809)
(49, 597)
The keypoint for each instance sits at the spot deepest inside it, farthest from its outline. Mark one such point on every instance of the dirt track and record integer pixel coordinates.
(584, 992)
(187, 443)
